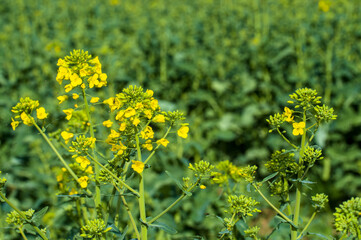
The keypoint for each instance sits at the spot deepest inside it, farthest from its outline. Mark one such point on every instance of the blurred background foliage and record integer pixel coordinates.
(228, 64)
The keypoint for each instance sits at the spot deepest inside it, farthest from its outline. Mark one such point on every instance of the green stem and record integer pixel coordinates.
(269, 203)
(152, 153)
(22, 233)
(42, 235)
(114, 176)
(97, 197)
(298, 184)
(286, 139)
(174, 203)
(144, 228)
(58, 155)
(343, 236)
(308, 224)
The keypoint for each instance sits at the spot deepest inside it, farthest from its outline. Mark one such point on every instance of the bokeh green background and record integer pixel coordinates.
(228, 64)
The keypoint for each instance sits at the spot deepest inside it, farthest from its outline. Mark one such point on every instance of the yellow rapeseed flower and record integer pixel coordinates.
(75, 80)
(136, 121)
(62, 98)
(89, 170)
(94, 100)
(83, 161)
(83, 181)
(288, 114)
(163, 142)
(183, 132)
(73, 191)
(40, 113)
(68, 87)
(69, 113)
(129, 112)
(26, 119)
(202, 187)
(108, 123)
(147, 133)
(14, 123)
(138, 166)
(159, 118)
(298, 128)
(324, 6)
(66, 136)
(122, 126)
(75, 96)
(148, 145)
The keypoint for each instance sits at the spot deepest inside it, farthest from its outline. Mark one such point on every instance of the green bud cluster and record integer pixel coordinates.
(347, 217)
(282, 162)
(81, 145)
(94, 229)
(252, 232)
(77, 59)
(319, 201)
(276, 120)
(2, 183)
(305, 98)
(201, 169)
(279, 187)
(311, 155)
(15, 218)
(242, 205)
(324, 113)
(26, 105)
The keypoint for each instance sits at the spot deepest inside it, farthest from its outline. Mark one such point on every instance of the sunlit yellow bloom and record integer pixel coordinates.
(129, 112)
(94, 100)
(119, 115)
(324, 6)
(138, 166)
(83, 181)
(40, 113)
(136, 121)
(149, 93)
(60, 177)
(69, 113)
(163, 142)
(26, 119)
(183, 132)
(288, 114)
(147, 133)
(93, 80)
(298, 128)
(202, 187)
(122, 127)
(73, 191)
(154, 104)
(83, 72)
(148, 145)
(75, 96)
(148, 113)
(89, 170)
(75, 80)
(108, 123)
(159, 118)
(83, 161)
(82, 85)
(14, 123)
(66, 136)
(68, 87)
(119, 148)
(139, 106)
(62, 98)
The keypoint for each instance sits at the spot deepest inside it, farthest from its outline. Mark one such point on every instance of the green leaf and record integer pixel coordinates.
(164, 227)
(269, 177)
(39, 215)
(175, 180)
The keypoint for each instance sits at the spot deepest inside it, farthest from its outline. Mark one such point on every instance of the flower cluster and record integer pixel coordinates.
(311, 155)
(242, 205)
(95, 229)
(80, 70)
(201, 169)
(23, 111)
(319, 201)
(305, 98)
(252, 232)
(347, 217)
(15, 218)
(282, 162)
(226, 171)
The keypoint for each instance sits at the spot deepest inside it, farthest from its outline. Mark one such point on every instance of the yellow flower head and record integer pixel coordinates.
(324, 6)
(122, 126)
(183, 132)
(94, 100)
(148, 145)
(202, 187)
(83, 181)
(129, 112)
(159, 118)
(40, 113)
(14, 123)
(108, 123)
(75, 96)
(69, 113)
(136, 121)
(288, 114)
(147, 133)
(62, 98)
(73, 191)
(138, 166)
(163, 142)
(26, 119)
(298, 128)
(83, 161)
(66, 136)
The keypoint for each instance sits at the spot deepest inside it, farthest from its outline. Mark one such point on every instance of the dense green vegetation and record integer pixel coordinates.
(227, 64)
